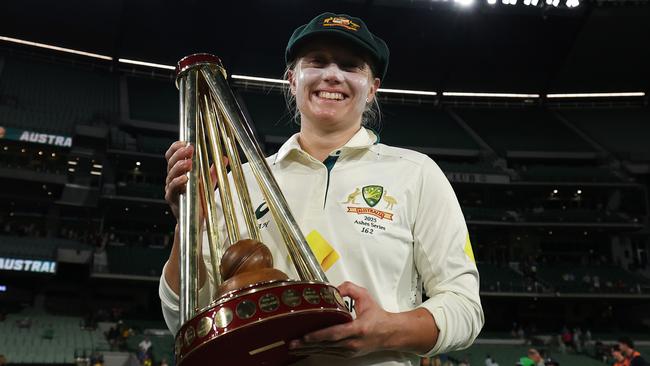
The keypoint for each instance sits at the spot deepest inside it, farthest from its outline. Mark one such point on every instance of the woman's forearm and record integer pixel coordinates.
(413, 331)
(172, 276)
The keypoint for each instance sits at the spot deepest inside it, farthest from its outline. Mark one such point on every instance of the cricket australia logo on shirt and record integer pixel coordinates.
(372, 195)
(376, 209)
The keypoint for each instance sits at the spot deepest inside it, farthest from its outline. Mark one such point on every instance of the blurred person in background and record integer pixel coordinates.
(626, 345)
(618, 358)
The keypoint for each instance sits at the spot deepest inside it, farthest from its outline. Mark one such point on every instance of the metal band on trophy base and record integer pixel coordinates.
(254, 326)
(256, 311)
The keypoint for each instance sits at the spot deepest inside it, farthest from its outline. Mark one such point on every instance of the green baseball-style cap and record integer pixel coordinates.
(344, 27)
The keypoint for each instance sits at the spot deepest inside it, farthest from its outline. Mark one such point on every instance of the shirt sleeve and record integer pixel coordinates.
(444, 260)
(169, 300)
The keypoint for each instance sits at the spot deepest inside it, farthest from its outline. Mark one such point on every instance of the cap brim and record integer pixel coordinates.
(335, 33)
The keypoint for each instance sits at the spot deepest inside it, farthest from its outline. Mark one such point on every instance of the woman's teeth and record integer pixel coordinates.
(330, 95)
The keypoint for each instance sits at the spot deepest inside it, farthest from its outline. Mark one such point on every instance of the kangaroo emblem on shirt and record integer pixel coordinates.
(390, 201)
(353, 196)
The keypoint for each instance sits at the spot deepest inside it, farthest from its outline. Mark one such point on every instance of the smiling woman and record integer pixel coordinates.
(380, 249)
(332, 86)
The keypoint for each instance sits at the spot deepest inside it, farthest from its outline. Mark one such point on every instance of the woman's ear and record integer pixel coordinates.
(373, 90)
(292, 81)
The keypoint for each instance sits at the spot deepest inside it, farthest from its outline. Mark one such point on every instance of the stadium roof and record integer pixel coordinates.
(599, 46)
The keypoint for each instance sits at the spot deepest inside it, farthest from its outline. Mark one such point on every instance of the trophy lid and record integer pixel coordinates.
(197, 59)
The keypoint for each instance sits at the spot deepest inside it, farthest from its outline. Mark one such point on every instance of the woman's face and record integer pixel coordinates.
(332, 84)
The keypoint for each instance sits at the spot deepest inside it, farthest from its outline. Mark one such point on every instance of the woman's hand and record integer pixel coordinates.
(373, 330)
(179, 162)
(369, 332)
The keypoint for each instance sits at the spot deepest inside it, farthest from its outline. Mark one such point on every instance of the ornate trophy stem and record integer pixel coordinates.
(188, 203)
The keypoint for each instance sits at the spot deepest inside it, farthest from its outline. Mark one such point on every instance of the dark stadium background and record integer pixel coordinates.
(554, 190)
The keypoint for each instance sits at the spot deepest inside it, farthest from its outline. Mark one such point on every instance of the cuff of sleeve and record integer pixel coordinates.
(167, 296)
(170, 299)
(440, 318)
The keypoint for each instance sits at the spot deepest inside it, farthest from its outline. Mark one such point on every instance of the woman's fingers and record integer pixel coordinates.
(173, 147)
(180, 168)
(175, 187)
(182, 153)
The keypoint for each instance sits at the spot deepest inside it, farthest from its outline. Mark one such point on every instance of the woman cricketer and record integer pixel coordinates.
(385, 220)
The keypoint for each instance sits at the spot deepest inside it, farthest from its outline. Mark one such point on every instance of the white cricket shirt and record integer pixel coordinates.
(382, 217)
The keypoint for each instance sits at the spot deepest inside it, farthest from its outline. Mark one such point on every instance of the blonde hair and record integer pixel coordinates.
(370, 118)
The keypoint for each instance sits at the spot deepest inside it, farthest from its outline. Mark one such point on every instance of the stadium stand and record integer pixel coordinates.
(529, 130)
(269, 114)
(152, 100)
(162, 346)
(510, 355)
(53, 98)
(35, 248)
(573, 173)
(599, 279)
(496, 278)
(140, 190)
(33, 336)
(480, 167)
(141, 261)
(575, 215)
(423, 126)
(623, 131)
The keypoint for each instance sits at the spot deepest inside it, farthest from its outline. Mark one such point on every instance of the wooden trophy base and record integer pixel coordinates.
(254, 325)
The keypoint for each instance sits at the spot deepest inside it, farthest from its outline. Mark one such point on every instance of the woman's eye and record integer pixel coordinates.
(316, 62)
(352, 66)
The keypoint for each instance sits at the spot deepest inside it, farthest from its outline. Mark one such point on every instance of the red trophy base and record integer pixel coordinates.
(254, 325)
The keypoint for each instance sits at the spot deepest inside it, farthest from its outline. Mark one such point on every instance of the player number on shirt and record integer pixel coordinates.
(366, 230)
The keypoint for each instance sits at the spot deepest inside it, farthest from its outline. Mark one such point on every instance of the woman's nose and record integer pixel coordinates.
(332, 73)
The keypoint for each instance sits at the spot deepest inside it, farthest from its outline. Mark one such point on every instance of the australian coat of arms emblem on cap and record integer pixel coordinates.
(340, 22)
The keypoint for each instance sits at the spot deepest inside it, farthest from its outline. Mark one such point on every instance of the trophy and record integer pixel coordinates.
(257, 309)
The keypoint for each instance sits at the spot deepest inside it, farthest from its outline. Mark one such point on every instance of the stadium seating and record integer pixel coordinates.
(572, 173)
(488, 214)
(575, 215)
(140, 261)
(161, 346)
(141, 190)
(49, 339)
(152, 100)
(34, 247)
(523, 130)
(623, 131)
(611, 279)
(52, 98)
(509, 355)
(269, 114)
(500, 279)
(478, 167)
(154, 145)
(422, 126)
